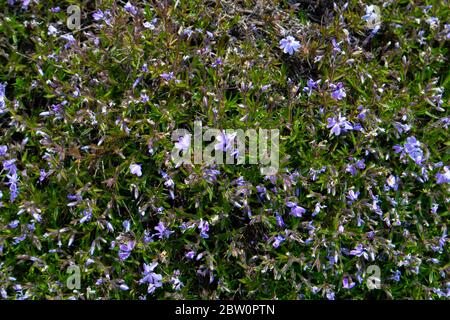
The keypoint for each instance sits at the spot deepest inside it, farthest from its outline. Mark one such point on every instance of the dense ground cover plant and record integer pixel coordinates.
(87, 180)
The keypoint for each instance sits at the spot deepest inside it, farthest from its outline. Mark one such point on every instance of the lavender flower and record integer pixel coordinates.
(347, 283)
(296, 210)
(352, 195)
(163, 232)
(130, 8)
(3, 150)
(87, 215)
(136, 169)
(126, 249)
(177, 284)
(311, 85)
(358, 251)
(289, 45)
(443, 177)
(190, 255)
(70, 40)
(153, 280)
(204, 228)
(339, 125)
(278, 240)
(280, 221)
(338, 91)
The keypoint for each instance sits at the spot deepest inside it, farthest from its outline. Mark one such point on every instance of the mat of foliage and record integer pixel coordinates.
(87, 181)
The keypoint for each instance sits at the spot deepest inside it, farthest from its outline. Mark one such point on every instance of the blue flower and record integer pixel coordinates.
(126, 249)
(443, 178)
(338, 91)
(153, 280)
(163, 232)
(289, 45)
(296, 210)
(278, 240)
(130, 8)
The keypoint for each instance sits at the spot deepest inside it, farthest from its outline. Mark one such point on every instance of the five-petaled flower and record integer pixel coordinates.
(289, 45)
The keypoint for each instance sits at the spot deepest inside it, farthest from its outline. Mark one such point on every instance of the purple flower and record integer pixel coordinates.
(13, 224)
(310, 86)
(55, 9)
(338, 125)
(412, 148)
(190, 255)
(317, 209)
(87, 215)
(13, 178)
(169, 77)
(225, 142)
(360, 164)
(289, 45)
(126, 225)
(347, 283)
(130, 8)
(358, 251)
(3, 150)
(163, 232)
(443, 178)
(338, 91)
(278, 240)
(402, 127)
(396, 276)
(352, 195)
(392, 183)
(126, 249)
(70, 40)
(280, 221)
(217, 63)
(153, 280)
(98, 15)
(42, 175)
(175, 281)
(204, 228)
(296, 210)
(136, 169)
